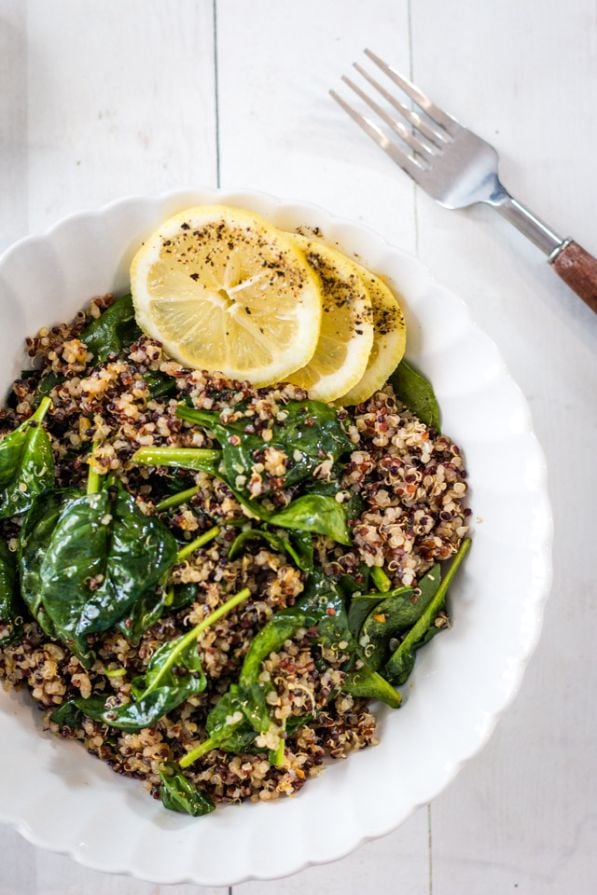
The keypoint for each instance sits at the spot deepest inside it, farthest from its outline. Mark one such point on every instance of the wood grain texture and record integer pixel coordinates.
(279, 129)
(521, 816)
(86, 86)
(120, 101)
(578, 269)
(13, 121)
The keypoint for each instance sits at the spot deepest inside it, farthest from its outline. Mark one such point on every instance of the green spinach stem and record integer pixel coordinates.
(42, 408)
(94, 479)
(193, 634)
(188, 458)
(176, 499)
(204, 538)
(382, 582)
(202, 749)
(419, 628)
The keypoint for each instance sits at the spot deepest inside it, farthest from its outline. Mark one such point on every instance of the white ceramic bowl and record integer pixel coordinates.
(62, 799)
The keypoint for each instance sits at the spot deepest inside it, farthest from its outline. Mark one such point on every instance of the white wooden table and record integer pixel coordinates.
(102, 98)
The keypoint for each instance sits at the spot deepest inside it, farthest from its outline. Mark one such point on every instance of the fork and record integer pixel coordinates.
(458, 169)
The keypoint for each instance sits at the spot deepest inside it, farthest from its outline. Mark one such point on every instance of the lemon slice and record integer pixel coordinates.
(389, 340)
(223, 290)
(346, 334)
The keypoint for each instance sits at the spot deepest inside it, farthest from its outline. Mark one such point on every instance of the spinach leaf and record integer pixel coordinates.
(302, 543)
(235, 721)
(26, 464)
(140, 713)
(174, 673)
(324, 605)
(298, 547)
(232, 725)
(317, 514)
(310, 432)
(67, 715)
(36, 534)
(401, 663)
(113, 331)
(394, 613)
(48, 382)
(11, 610)
(369, 684)
(106, 541)
(152, 606)
(159, 384)
(360, 607)
(178, 794)
(241, 713)
(353, 507)
(416, 392)
(166, 684)
(356, 583)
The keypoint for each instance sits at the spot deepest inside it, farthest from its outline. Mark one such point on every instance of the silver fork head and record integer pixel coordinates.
(453, 165)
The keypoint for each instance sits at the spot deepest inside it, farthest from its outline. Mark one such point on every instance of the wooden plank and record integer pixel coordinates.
(389, 866)
(521, 816)
(120, 101)
(279, 129)
(27, 870)
(13, 118)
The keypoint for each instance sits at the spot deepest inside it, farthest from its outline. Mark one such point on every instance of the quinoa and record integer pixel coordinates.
(409, 480)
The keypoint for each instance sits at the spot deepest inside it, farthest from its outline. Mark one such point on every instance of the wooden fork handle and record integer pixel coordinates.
(579, 270)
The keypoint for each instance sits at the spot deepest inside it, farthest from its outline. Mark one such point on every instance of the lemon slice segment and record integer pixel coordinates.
(224, 290)
(346, 334)
(389, 340)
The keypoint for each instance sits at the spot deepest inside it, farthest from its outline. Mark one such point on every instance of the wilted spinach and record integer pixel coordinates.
(47, 383)
(26, 464)
(237, 718)
(352, 506)
(158, 602)
(11, 610)
(152, 606)
(174, 673)
(401, 663)
(159, 384)
(298, 546)
(102, 555)
(179, 794)
(36, 535)
(369, 684)
(67, 715)
(309, 433)
(309, 513)
(393, 614)
(416, 392)
(113, 331)
(317, 514)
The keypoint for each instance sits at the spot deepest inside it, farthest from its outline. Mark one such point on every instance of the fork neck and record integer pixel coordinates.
(528, 223)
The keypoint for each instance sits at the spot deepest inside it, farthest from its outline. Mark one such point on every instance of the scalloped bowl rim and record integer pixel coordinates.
(535, 600)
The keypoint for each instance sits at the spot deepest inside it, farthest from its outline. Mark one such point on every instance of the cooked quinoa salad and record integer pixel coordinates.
(210, 585)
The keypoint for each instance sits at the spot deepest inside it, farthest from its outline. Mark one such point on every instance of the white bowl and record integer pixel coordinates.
(62, 799)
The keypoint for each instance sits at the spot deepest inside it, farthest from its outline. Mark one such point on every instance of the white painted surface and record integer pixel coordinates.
(99, 98)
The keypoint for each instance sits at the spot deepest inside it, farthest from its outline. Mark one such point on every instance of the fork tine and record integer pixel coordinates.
(409, 164)
(435, 136)
(411, 90)
(397, 126)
